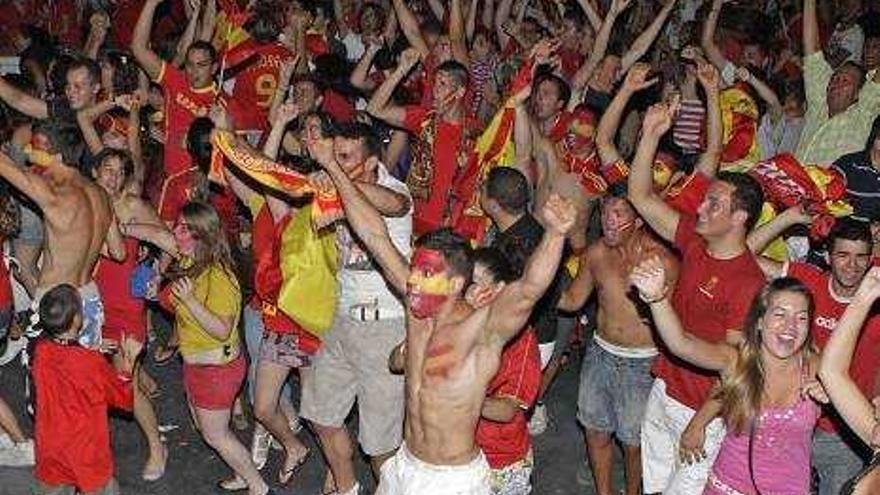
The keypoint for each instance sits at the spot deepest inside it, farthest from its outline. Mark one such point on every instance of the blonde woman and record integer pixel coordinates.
(206, 301)
(851, 403)
(765, 383)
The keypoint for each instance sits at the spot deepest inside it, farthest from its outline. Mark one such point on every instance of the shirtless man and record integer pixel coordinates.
(616, 374)
(452, 350)
(78, 220)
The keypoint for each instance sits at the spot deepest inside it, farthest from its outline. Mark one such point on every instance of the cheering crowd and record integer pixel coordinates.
(416, 209)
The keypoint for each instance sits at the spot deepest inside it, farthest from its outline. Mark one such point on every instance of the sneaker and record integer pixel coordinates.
(260, 446)
(538, 423)
(20, 454)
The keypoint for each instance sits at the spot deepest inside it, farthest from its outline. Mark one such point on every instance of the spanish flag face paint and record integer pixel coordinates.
(429, 285)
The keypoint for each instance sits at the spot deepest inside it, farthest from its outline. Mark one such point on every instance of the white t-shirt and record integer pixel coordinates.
(354, 46)
(361, 284)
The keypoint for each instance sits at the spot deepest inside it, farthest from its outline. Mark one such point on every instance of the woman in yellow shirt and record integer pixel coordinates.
(206, 301)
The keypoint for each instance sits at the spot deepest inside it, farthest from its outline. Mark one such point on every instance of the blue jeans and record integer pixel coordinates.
(835, 460)
(613, 393)
(253, 336)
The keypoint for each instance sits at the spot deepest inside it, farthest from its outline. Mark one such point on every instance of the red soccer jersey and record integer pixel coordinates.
(430, 214)
(518, 377)
(178, 191)
(75, 387)
(255, 85)
(182, 105)
(712, 297)
(827, 312)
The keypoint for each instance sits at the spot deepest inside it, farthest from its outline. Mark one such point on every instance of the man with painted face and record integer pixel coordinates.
(452, 350)
(719, 277)
(836, 457)
(841, 103)
(77, 216)
(616, 374)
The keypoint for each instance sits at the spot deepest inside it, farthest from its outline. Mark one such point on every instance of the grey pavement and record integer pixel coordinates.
(194, 469)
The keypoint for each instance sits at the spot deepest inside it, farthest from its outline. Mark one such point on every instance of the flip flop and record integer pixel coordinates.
(233, 484)
(285, 475)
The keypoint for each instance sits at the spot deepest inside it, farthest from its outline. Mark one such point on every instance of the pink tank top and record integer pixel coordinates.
(780, 454)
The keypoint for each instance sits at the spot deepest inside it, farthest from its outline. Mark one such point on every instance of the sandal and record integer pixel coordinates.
(233, 484)
(286, 472)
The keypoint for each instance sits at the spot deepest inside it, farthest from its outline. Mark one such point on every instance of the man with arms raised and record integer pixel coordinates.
(77, 217)
(719, 279)
(452, 350)
(616, 374)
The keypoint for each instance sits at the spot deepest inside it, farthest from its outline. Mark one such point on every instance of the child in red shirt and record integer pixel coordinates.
(74, 388)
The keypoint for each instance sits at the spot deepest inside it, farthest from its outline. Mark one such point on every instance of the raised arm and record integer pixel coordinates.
(410, 26)
(707, 41)
(31, 185)
(846, 396)
(359, 76)
(379, 105)
(147, 58)
(710, 79)
(592, 15)
(146, 225)
(99, 23)
(636, 80)
(511, 309)
(641, 45)
(660, 216)
(774, 106)
(649, 277)
(23, 102)
(470, 23)
(811, 29)
(188, 36)
(364, 219)
(761, 237)
(582, 77)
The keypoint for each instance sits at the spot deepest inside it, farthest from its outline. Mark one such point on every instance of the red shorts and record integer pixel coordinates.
(214, 386)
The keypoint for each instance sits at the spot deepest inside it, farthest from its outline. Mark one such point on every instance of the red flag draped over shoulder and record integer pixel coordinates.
(326, 205)
(494, 148)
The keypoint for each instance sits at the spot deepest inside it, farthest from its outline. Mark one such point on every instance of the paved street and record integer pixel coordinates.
(194, 469)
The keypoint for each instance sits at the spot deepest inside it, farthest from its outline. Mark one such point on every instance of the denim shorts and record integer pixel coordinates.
(613, 393)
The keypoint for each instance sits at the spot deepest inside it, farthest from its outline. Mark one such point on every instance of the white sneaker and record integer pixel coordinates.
(538, 423)
(13, 347)
(20, 454)
(260, 446)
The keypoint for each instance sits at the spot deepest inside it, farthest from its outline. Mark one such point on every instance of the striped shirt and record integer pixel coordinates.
(688, 130)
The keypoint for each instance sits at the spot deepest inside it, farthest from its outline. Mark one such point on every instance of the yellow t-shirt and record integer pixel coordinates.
(218, 291)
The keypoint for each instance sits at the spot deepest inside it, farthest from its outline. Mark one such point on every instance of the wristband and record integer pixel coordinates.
(657, 299)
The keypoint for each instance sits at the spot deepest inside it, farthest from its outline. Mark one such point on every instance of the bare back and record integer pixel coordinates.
(76, 227)
(619, 321)
(447, 371)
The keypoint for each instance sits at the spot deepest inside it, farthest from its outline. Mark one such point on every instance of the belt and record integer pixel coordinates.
(371, 312)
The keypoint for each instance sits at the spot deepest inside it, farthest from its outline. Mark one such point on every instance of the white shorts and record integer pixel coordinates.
(404, 474)
(665, 421)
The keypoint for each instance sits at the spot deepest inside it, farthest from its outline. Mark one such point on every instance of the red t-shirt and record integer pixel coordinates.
(182, 105)
(518, 377)
(255, 85)
(712, 297)
(268, 278)
(177, 191)
(75, 387)
(124, 18)
(66, 22)
(430, 214)
(827, 312)
(123, 313)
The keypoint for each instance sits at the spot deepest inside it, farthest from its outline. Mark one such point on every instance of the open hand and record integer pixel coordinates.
(649, 278)
(708, 75)
(814, 390)
(559, 214)
(658, 119)
(409, 58)
(182, 288)
(637, 77)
